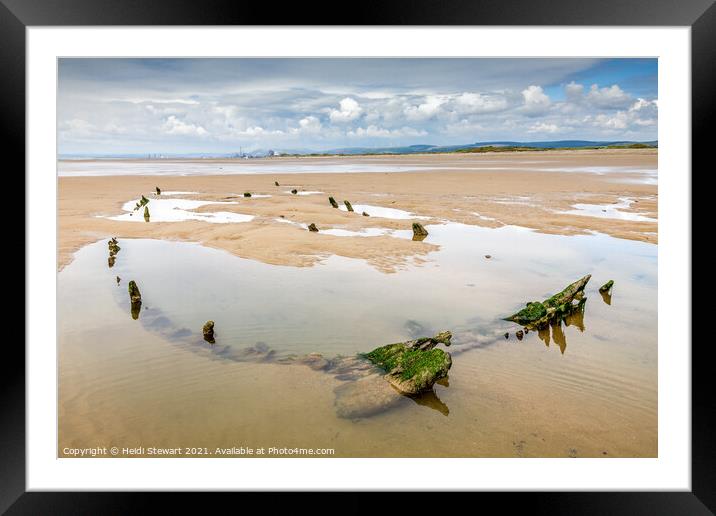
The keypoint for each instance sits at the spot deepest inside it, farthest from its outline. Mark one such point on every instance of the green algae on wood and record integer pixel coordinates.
(294, 191)
(247, 194)
(135, 309)
(113, 246)
(607, 286)
(333, 202)
(349, 207)
(135, 299)
(208, 331)
(312, 227)
(414, 366)
(142, 202)
(419, 232)
(538, 314)
(159, 191)
(134, 294)
(146, 214)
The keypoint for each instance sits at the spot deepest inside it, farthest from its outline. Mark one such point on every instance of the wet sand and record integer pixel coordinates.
(491, 189)
(168, 398)
(587, 389)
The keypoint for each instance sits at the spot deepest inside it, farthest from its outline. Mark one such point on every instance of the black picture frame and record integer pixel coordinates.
(17, 15)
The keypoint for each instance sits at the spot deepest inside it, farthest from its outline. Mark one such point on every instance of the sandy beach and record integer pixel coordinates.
(337, 293)
(529, 189)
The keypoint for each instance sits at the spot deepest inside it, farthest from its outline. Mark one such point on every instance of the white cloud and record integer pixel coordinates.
(574, 92)
(619, 120)
(173, 125)
(78, 126)
(309, 124)
(644, 106)
(257, 130)
(428, 109)
(642, 113)
(189, 102)
(315, 105)
(609, 97)
(542, 127)
(536, 100)
(164, 110)
(349, 110)
(373, 131)
(464, 126)
(467, 103)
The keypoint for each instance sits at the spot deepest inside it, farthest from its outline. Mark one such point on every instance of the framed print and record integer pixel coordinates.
(324, 258)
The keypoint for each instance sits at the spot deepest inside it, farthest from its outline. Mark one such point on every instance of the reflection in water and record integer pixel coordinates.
(342, 307)
(430, 399)
(558, 336)
(355, 400)
(557, 332)
(606, 297)
(543, 334)
(135, 308)
(416, 329)
(352, 369)
(276, 329)
(576, 319)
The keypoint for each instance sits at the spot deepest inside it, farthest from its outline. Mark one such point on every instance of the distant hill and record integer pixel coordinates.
(512, 145)
(477, 147)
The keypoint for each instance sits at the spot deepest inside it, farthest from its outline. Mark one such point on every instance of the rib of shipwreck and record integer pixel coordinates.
(537, 314)
(415, 365)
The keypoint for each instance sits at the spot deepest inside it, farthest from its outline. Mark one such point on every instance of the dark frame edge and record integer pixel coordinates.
(703, 404)
(12, 367)
(14, 498)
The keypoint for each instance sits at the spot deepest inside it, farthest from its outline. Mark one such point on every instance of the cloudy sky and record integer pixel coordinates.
(218, 105)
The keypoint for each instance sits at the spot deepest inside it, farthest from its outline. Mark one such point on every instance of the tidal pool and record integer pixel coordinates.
(304, 192)
(609, 211)
(382, 212)
(583, 389)
(176, 210)
(119, 167)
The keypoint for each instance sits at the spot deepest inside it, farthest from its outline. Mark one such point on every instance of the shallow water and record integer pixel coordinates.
(609, 211)
(177, 192)
(190, 168)
(304, 192)
(586, 389)
(77, 168)
(637, 174)
(176, 210)
(382, 212)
